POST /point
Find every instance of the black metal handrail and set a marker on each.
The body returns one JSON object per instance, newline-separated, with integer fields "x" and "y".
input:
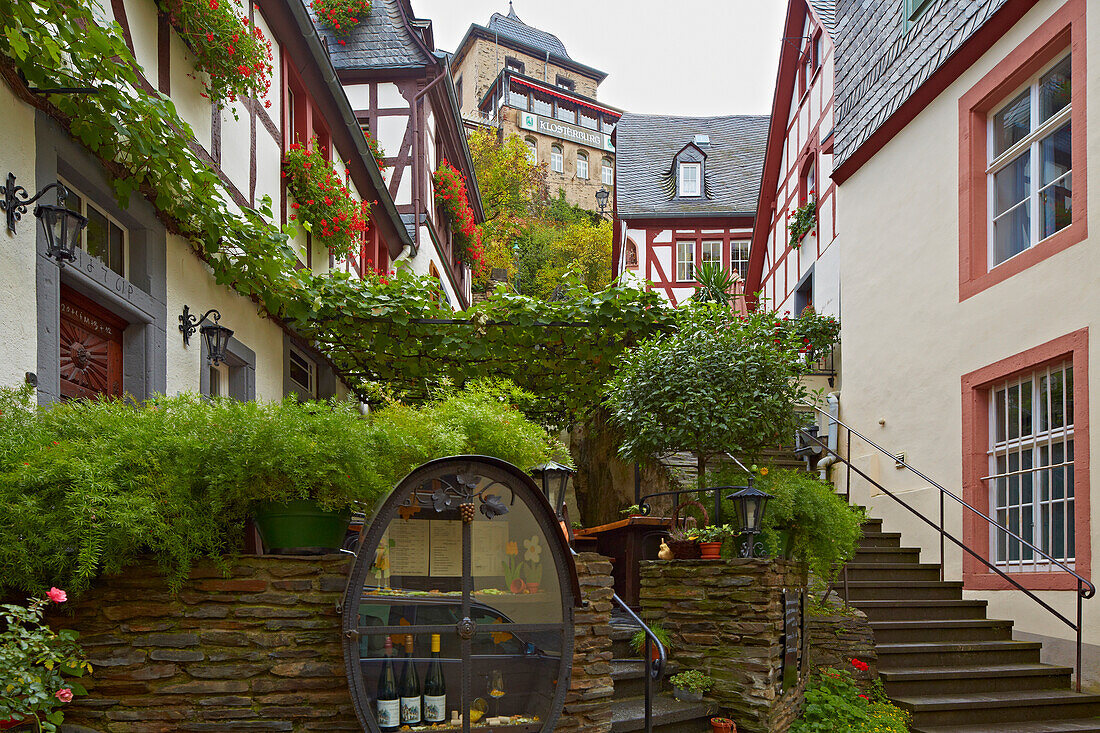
{"x": 1085, "y": 589}
{"x": 654, "y": 668}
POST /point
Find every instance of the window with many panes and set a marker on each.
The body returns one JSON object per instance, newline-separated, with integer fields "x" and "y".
{"x": 303, "y": 373}
{"x": 557, "y": 159}
{"x": 1030, "y": 186}
{"x": 691, "y": 175}
{"x": 582, "y": 164}
{"x": 532, "y": 149}
{"x": 712, "y": 252}
{"x": 685, "y": 261}
{"x": 739, "y": 258}
{"x": 1031, "y": 468}
{"x": 103, "y": 238}
{"x": 607, "y": 172}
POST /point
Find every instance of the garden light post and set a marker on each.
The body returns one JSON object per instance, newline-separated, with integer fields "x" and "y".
{"x": 553, "y": 477}
{"x": 750, "y": 504}
{"x": 216, "y": 336}
{"x": 601, "y": 200}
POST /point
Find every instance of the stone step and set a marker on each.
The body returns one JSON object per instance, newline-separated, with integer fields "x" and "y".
{"x": 892, "y": 571}
{"x": 998, "y": 707}
{"x": 871, "y": 525}
{"x": 1079, "y": 725}
{"x": 876, "y": 590}
{"x": 669, "y": 715}
{"x": 880, "y": 539}
{"x": 924, "y": 655}
{"x": 629, "y": 678}
{"x": 927, "y": 611}
{"x": 920, "y": 681}
{"x": 887, "y": 554}
{"x": 961, "y": 629}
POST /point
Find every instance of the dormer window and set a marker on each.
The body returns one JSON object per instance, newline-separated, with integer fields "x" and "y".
{"x": 691, "y": 179}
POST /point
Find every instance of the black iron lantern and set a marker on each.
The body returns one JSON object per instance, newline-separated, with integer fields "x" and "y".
{"x": 750, "y": 503}
{"x": 62, "y": 227}
{"x": 216, "y": 336}
{"x": 601, "y": 199}
{"x": 553, "y": 477}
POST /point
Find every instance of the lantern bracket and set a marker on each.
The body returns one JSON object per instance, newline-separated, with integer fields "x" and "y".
{"x": 189, "y": 323}
{"x": 14, "y": 199}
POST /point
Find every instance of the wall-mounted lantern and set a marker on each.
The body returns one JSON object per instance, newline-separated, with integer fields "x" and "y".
{"x": 62, "y": 226}
{"x": 216, "y": 336}
{"x": 601, "y": 200}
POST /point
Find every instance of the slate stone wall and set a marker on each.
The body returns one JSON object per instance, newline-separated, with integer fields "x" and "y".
{"x": 261, "y": 651}
{"x": 725, "y": 618}
{"x": 838, "y": 638}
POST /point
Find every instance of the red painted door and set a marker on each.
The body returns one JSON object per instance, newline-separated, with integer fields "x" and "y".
{"x": 91, "y": 348}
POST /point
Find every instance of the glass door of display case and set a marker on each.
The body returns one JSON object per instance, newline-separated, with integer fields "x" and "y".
{"x": 459, "y": 607}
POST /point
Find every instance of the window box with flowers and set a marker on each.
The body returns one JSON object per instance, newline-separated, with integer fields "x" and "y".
{"x": 451, "y": 197}
{"x": 340, "y": 15}
{"x": 233, "y": 53}
{"x": 376, "y": 150}
{"x": 802, "y": 223}
{"x": 323, "y": 202}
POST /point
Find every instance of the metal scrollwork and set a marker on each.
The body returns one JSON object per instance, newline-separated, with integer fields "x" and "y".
{"x": 442, "y": 495}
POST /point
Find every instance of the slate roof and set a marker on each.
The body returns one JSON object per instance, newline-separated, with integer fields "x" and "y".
{"x": 825, "y": 10}
{"x": 647, "y": 144}
{"x": 879, "y": 65}
{"x": 512, "y": 27}
{"x": 381, "y": 40}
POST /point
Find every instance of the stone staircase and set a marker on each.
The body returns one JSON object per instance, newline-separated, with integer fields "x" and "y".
{"x": 628, "y": 709}
{"x": 945, "y": 662}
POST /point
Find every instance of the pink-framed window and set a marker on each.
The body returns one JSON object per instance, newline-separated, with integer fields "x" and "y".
{"x": 1022, "y": 181}
{"x": 1026, "y": 465}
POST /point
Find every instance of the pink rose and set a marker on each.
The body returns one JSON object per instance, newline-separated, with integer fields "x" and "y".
{"x": 58, "y": 596}
{"x": 64, "y": 694}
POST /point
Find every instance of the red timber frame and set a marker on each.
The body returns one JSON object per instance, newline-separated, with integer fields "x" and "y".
{"x": 780, "y": 188}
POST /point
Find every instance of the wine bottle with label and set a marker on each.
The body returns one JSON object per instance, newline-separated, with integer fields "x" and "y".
{"x": 389, "y": 702}
{"x": 410, "y": 687}
{"x": 435, "y": 689}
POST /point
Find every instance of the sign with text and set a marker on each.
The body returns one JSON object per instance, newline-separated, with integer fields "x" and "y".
{"x": 792, "y": 637}
{"x": 565, "y": 131}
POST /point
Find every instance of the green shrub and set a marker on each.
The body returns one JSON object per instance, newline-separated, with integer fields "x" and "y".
{"x": 835, "y": 705}
{"x": 88, "y": 487}
{"x": 692, "y": 680}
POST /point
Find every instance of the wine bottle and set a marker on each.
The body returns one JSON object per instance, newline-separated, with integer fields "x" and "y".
{"x": 389, "y": 703}
{"x": 435, "y": 689}
{"x": 410, "y": 687}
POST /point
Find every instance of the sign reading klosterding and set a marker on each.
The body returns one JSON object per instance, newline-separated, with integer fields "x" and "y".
{"x": 565, "y": 131}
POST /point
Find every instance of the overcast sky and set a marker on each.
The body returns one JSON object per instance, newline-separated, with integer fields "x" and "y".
{"x": 683, "y": 57}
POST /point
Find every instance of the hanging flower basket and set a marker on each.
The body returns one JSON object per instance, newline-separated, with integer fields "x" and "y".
{"x": 232, "y": 52}
{"x": 451, "y": 196}
{"x": 803, "y": 222}
{"x": 322, "y": 201}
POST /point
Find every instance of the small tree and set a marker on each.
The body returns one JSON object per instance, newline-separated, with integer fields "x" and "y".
{"x": 722, "y": 382}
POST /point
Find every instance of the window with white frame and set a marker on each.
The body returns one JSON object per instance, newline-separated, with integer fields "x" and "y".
{"x": 607, "y": 172}
{"x": 219, "y": 379}
{"x": 557, "y": 159}
{"x": 532, "y": 149}
{"x": 685, "y": 261}
{"x": 104, "y": 237}
{"x": 582, "y": 164}
{"x": 303, "y": 373}
{"x": 1031, "y": 468}
{"x": 739, "y": 258}
{"x": 712, "y": 252}
{"x": 691, "y": 175}
{"x": 1030, "y": 187}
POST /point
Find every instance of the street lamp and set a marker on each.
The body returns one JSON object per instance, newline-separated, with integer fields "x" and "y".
{"x": 750, "y": 504}
{"x": 554, "y": 478}
{"x": 216, "y": 336}
{"x": 601, "y": 200}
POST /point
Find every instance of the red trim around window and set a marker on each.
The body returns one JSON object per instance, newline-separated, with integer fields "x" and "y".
{"x": 1064, "y": 30}
{"x": 976, "y": 388}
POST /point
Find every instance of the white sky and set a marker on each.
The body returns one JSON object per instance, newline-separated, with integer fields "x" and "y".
{"x": 680, "y": 57}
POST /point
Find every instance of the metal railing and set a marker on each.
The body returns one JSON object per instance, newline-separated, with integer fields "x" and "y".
{"x": 1085, "y": 589}
{"x": 654, "y": 668}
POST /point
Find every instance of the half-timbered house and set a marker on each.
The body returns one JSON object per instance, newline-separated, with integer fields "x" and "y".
{"x": 401, "y": 89}
{"x": 685, "y": 195}
{"x": 108, "y": 323}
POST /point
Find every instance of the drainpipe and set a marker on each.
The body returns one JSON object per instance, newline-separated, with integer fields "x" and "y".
{"x": 833, "y": 407}
{"x": 417, "y": 157}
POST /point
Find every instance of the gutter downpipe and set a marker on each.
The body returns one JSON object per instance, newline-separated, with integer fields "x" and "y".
{"x": 416, "y": 155}
{"x": 833, "y": 400}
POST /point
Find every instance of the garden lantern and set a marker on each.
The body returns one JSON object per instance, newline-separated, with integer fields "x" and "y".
{"x": 216, "y": 336}
{"x": 553, "y": 477}
{"x": 62, "y": 228}
{"x": 750, "y": 504}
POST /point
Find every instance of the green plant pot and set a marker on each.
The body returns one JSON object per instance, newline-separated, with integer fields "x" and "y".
{"x": 300, "y": 527}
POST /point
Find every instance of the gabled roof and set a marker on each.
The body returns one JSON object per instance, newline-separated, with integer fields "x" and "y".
{"x": 512, "y": 27}
{"x": 381, "y": 40}
{"x": 646, "y": 146}
{"x": 880, "y": 64}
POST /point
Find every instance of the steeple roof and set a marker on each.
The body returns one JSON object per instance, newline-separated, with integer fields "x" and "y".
{"x": 511, "y": 26}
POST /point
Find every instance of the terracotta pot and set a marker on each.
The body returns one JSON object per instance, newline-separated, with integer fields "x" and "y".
{"x": 722, "y": 725}
{"x": 710, "y": 550}
{"x": 684, "y": 549}
{"x": 518, "y": 586}
{"x": 532, "y": 587}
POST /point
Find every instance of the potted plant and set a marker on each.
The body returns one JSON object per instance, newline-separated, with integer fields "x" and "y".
{"x": 632, "y": 511}
{"x": 684, "y": 543}
{"x": 637, "y": 641}
{"x": 35, "y": 661}
{"x": 711, "y": 539}
{"x": 722, "y": 725}
{"x": 690, "y": 686}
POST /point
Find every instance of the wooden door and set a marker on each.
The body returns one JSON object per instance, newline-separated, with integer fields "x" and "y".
{"x": 91, "y": 348}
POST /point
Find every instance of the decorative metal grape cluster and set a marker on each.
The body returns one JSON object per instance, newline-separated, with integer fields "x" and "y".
{"x": 467, "y": 511}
